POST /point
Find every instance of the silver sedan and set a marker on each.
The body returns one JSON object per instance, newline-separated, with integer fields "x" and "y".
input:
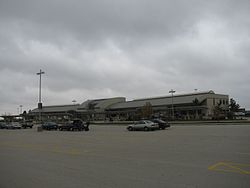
{"x": 13, "y": 125}
{"x": 145, "y": 125}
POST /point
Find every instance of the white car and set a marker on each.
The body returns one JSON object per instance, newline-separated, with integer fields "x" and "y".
{"x": 145, "y": 125}
{"x": 13, "y": 125}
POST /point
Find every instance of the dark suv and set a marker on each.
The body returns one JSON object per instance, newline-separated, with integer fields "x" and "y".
{"x": 76, "y": 124}
{"x": 162, "y": 124}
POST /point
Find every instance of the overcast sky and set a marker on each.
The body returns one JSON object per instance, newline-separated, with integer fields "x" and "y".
{"x": 133, "y": 48}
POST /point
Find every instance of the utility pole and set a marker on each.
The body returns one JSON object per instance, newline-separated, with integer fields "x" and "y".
{"x": 172, "y": 92}
{"x": 40, "y": 94}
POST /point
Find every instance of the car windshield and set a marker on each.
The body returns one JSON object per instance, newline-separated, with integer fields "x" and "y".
{"x": 51, "y": 123}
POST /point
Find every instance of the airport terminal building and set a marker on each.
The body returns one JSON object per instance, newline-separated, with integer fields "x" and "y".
{"x": 190, "y": 106}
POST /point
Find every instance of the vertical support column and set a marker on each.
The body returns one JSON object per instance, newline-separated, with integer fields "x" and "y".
{"x": 40, "y": 94}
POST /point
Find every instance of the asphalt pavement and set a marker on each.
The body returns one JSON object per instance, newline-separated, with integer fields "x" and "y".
{"x": 110, "y": 156}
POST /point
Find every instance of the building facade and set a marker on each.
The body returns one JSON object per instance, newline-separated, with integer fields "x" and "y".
{"x": 190, "y": 106}
{"x": 88, "y": 110}
{"x": 198, "y": 105}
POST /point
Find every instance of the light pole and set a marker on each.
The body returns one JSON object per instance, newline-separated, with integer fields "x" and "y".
{"x": 74, "y": 103}
{"x": 40, "y": 94}
{"x": 21, "y": 109}
{"x": 172, "y": 92}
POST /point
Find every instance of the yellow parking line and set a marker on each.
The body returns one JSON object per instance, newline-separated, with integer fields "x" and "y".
{"x": 241, "y": 171}
{"x": 230, "y": 167}
{"x": 238, "y": 164}
{"x": 212, "y": 167}
{"x": 223, "y": 170}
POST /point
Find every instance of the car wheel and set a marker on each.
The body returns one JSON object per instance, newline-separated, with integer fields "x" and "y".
{"x": 130, "y": 128}
{"x": 146, "y": 129}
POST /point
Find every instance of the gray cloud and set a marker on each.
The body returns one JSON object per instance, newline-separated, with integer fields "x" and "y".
{"x": 95, "y": 49}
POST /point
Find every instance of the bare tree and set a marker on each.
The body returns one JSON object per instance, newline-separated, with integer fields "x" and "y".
{"x": 146, "y": 110}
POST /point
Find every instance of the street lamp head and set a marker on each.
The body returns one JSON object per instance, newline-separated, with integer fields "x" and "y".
{"x": 39, "y": 73}
{"x": 172, "y": 91}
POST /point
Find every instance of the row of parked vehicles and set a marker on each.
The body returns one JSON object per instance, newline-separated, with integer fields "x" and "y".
{"x": 75, "y": 125}
{"x": 16, "y": 125}
{"x": 148, "y": 125}
{"x": 79, "y": 125}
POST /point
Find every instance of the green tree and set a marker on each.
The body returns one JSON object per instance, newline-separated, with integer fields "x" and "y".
{"x": 233, "y": 107}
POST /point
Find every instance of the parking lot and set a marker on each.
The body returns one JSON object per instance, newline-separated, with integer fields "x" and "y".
{"x": 110, "y": 156}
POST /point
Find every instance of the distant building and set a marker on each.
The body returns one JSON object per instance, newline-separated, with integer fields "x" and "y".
{"x": 198, "y": 105}
{"x": 88, "y": 110}
{"x": 191, "y": 106}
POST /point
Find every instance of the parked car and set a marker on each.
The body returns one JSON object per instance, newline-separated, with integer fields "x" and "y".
{"x": 145, "y": 125}
{"x": 162, "y": 124}
{"x": 27, "y": 124}
{"x": 3, "y": 125}
{"x": 50, "y": 126}
{"x": 65, "y": 127}
{"x": 13, "y": 125}
{"x": 76, "y": 124}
